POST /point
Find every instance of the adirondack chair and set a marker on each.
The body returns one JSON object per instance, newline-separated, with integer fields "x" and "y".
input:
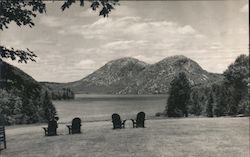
{"x": 75, "y": 127}
{"x": 139, "y": 122}
{"x": 117, "y": 122}
{"x": 51, "y": 130}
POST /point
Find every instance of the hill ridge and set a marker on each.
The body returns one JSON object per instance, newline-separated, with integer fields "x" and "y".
{"x": 129, "y": 75}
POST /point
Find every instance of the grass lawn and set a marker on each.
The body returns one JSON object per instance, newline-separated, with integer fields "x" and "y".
{"x": 187, "y": 137}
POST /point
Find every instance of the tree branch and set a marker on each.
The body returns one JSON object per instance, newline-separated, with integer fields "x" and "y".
{"x": 20, "y": 55}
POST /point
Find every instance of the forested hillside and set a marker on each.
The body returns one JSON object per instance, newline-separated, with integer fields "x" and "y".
{"x": 22, "y": 99}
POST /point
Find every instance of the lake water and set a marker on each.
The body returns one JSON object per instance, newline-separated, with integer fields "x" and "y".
{"x": 101, "y": 107}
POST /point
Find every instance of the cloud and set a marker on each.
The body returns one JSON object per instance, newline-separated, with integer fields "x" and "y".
{"x": 245, "y": 8}
{"x": 133, "y": 36}
{"x": 87, "y": 13}
{"x": 125, "y": 44}
{"x": 51, "y": 21}
{"x": 86, "y": 64}
{"x": 12, "y": 42}
{"x": 186, "y": 30}
{"x": 128, "y": 31}
{"x": 215, "y": 46}
{"x": 43, "y": 41}
{"x": 122, "y": 11}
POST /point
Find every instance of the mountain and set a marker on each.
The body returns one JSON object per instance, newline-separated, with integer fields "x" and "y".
{"x": 22, "y": 99}
{"x": 156, "y": 78}
{"x": 131, "y": 76}
{"x": 111, "y": 78}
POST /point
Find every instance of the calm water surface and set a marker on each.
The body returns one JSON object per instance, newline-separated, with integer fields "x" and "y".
{"x": 101, "y": 107}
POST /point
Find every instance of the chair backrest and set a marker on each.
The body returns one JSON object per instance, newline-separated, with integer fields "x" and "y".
{"x": 52, "y": 126}
{"x": 116, "y": 120}
{"x": 140, "y": 119}
{"x": 76, "y": 125}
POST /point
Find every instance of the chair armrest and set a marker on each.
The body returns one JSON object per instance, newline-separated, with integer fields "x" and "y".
{"x": 45, "y": 130}
{"x": 123, "y": 123}
{"x": 70, "y": 128}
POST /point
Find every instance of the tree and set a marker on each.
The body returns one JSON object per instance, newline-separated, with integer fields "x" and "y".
{"x": 237, "y": 73}
{"x": 22, "y": 11}
{"x": 235, "y": 84}
{"x": 195, "y": 103}
{"x": 10, "y": 104}
{"x": 209, "y": 109}
{"x": 179, "y": 96}
{"x": 48, "y": 107}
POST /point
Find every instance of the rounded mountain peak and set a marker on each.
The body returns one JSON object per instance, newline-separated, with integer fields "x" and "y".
{"x": 180, "y": 62}
{"x": 126, "y": 61}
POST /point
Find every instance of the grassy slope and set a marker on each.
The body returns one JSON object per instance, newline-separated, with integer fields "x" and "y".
{"x": 191, "y": 137}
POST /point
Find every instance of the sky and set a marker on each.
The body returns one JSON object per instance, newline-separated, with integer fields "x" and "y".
{"x": 72, "y": 44}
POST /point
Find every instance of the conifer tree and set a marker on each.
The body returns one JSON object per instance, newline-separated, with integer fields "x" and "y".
{"x": 209, "y": 109}
{"x": 178, "y": 96}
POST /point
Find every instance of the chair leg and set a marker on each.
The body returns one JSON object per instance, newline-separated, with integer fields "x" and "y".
{"x": 134, "y": 123}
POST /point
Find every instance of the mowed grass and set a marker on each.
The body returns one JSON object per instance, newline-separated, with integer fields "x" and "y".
{"x": 187, "y": 137}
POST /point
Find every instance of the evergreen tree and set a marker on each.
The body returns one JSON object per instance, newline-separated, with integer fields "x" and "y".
{"x": 235, "y": 84}
{"x": 48, "y": 107}
{"x": 209, "y": 109}
{"x": 194, "y": 103}
{"x": 178, "y": 97}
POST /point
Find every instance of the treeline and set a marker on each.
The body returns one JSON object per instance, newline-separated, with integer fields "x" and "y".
{"x": 228, "y": 97}
{"x": 62, "y": 94}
